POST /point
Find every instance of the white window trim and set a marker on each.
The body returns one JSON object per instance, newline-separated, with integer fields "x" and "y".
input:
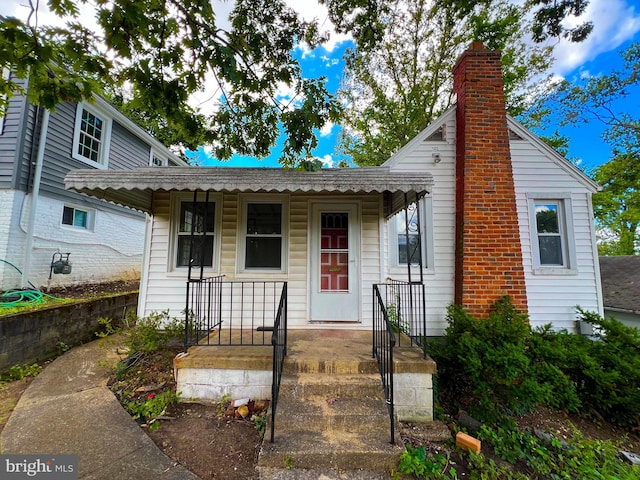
{"x": 91, "y": 218}
{"x": 426, "y": 237}
{"x": 243, "y": 203}
{"x": 105, "y": 143}
{"x": 154, "y": 153}
{"x": 6, "y": 75}
{"x": 565, "y": 217}
{"x": 176, "y": 200}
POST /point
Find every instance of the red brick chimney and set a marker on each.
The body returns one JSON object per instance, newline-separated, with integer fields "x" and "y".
{"x": 488, "y": 250}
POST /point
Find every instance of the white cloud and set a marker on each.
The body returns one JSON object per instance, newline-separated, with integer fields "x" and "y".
{"x": 326, "y": 130}
{"x": 327, "y": 161}
{"x": 614, "y": 22}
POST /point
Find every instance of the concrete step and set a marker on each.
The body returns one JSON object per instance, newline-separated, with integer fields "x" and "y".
{"x": 334, "y": 450}
{"x": 321, "y": 414}
{"x": 355, "y": 364}
{"x": 272, "y": 473}
{"x": 305, "y": 385}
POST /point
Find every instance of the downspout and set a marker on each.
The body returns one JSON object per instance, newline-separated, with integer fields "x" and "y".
{"x": 35, "y": 192}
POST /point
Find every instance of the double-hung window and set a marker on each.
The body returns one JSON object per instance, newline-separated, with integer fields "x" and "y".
{"x": 418, "y": 236}
{"x": 91, "y": 136}
{"x": 551, "y": 224}
{"x": 156, "y": 160}
{"x": 195, "y": 233}
{"x": 263, "y": 235}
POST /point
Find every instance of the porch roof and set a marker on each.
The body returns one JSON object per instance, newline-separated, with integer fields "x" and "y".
{"x": 134, "y": 188}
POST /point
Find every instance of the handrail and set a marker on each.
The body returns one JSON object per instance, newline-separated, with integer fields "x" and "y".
{"x": 384, "y": 341}
{"x": 230, "y": 313}
{"x": 279, "y": 342}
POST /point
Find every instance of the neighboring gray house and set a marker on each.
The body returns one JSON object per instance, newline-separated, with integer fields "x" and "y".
{"x": 620, "y": 278}
{"x": 39, "y": 218}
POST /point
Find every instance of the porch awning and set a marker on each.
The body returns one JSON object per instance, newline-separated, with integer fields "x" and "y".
{"x": 134, "y": 188}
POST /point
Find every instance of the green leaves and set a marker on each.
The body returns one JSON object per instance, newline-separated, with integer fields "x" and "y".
{"x": 617, "y": 206}
{"x": 399, "y": 85}
{"x": 166, "y": 51}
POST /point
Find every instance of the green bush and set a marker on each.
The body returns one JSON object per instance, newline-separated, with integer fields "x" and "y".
{"x": 152, "y": 332}
{"x": 499, "y": 366}
{"x": 488, "y": 360}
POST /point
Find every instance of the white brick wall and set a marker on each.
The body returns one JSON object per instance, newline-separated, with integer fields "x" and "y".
{"x": 11, "y": 238}
{"x": 111, "y": 251}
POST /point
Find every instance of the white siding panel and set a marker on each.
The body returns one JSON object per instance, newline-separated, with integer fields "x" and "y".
{"x": 553, "y": 298}
{"x": 439, "y": 280}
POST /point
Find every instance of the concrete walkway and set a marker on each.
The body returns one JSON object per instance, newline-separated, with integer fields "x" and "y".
{"x": 68, "y": 409}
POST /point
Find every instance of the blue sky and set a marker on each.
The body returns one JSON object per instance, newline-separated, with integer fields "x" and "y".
{"x": 616, "y": 25}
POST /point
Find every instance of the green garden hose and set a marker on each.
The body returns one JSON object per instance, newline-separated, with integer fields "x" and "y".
{"x": 19, "y": 297}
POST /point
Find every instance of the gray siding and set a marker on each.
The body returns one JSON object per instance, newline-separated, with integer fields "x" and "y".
{"x": 14, "y": 152}
{"x": 126, "y": 152}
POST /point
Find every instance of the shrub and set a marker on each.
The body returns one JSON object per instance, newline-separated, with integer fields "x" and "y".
{"x": 488, "y": 359}
{"x": 152, "y": 332}
{"x": 500, "y": 366}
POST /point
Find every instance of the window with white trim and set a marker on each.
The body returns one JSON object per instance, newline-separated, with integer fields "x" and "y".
{"x": 156, "y": 160}
{"x": 263, "y": 234}
{"x": 197, "y": 222}
{"x": 398, "y": 236}
{"x": 552, "y": 243}
{"x": 76, "y": 217}
{"x": 91, "y": 136}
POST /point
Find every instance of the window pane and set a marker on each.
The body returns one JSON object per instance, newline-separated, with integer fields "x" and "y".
{"x": 414, "y": 250}
{"x": 67, "y": 216}
{"x": 187, "y": 218}
{"x": 550, "y": 250}
{"x": 263, "y": 252}
{"x": 80, "y": 219}
{"x": 547, "y": 218}
{"x": 264, "y": 218}
{"x": 184, "y": 242}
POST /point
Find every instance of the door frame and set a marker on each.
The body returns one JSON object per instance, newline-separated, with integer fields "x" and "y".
{"x": 353, "y": 207}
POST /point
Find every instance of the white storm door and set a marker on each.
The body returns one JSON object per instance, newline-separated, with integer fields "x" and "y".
{"x": 335, "y": 251}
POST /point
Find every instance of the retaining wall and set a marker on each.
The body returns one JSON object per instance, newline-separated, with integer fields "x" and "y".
{"x": 33, "y": 336}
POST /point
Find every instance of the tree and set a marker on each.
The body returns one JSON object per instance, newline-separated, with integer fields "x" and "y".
{"x": 607, "y": 99}
{"x": 394, "y": 90}
{"x": 163, "y": 51}
{"x": 617, "y": 206}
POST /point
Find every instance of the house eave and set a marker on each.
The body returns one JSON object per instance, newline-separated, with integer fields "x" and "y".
{"x": 135, "y": 188}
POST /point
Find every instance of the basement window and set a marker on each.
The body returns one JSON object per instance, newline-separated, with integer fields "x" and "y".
{"x": 76, "y": 217}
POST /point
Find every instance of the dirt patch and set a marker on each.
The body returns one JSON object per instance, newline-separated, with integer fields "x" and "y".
{"x": 10, "y": 393}
{"x": 208, "y": 442}
{"x": 91, "y": 290}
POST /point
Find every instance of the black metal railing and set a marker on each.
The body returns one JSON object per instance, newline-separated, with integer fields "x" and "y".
{"x": 405, "y": 304}
{"x": 384, "y": 341}
{"x": 279, "y": 342}
{"x": 231, "y": 313}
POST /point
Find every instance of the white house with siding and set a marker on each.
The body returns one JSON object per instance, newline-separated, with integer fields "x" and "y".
{"x": 41, "y": 221}
{"x": 492, "y": 210}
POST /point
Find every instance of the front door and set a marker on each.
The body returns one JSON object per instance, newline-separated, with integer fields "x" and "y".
{"x": 335, "y": 252}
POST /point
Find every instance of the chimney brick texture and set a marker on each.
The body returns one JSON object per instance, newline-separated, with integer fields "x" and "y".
{"x": 488, "y": 250}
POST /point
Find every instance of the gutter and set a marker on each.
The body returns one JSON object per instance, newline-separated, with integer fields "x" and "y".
{"x": 35, "y": 192}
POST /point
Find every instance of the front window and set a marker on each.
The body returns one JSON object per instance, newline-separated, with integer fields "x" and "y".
{"x": 418, "y": 236}
{"x": 91, "y": 136}
{"x": 263, "y": 238}
{"x": 195, "y": 234}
